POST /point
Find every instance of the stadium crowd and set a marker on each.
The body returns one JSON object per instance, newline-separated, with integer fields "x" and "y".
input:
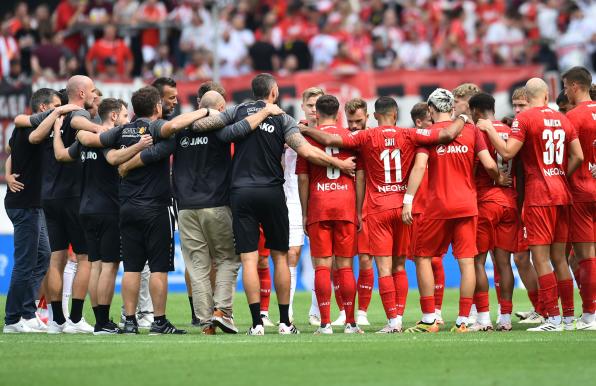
{"x": 111, "y": 39}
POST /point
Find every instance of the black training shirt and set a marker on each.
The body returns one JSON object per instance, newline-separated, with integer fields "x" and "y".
{"x": 26, "y": 161}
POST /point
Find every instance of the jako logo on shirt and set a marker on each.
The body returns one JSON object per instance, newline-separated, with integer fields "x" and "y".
{"x": 452, "y": 149}
{"x": 267, "y": 127}
{"x": 88, "y": 155}
{"x": 186, "y": 142}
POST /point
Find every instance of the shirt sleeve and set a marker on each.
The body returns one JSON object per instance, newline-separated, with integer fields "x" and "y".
{"x": 228, "y": 115}
{"x": 423, "y": 150}
{"x": 234, "y": 131}
{"x": 518, "y": 129}
{"x": 289, "y": 126}
{"x": 110, "y": 138}
{"x": 302, "y": 166}
{"x": 425, "y": 137}
{"x": 74, "y": 150}
{"x": 479, "y": 142}
{"x": 158, "y": 151}
{"x": 81, "y": 113}
{"x": 36, "y": 119}
{"x": 354, "y": 139}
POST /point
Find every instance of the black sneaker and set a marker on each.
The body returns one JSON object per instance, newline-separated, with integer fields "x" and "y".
{"x": 110, "y": 328}
{"x": 165, "y": 328}
{"x": 130, "y": 327}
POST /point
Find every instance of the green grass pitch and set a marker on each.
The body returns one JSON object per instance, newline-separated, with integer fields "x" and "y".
{"x": 518, "y": 357}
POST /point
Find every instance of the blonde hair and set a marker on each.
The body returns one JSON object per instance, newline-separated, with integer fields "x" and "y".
{"x": 520, "y": 93}
{"x": 466, "y": 90}
{"x": 312, "y": 92}
{"x": 354, "y": 105}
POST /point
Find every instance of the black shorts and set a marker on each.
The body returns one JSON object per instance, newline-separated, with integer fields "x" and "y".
{"x": 102, "y": 232}
{"x": 64, "y": 225}
{"x": 264, "y": 206}
{"x": 147, "y": 235}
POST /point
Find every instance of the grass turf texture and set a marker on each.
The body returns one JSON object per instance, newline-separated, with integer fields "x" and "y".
{"x": 371, "y": 359}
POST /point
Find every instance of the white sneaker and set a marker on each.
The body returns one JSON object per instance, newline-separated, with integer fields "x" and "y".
{"x": 258, "y": 330}
{"x": 473, "y": 318}
{"x": 504, "y": 326}
{"x": 547, "y": 327}
{"x": 284, "y": 329}
{"x": 349, "y": 329}
{"x": 314, "y": 320}
{"x": 362, "y": 318}
{"x": 389, "y": 330}
{"x": 327, "y": 330}
{"x": 55, "y": 328}
{"x": 266, "y": 321}
{"x": 36, "y": 325}
{"x": 569, "y": 325}
{"x": 476, "y": 327}
{"x": 19, "y": 327}
{"x": 82, "y": 327}
{"x": 341, "y": 319}
{"x": 533, "y": 318}
{"x": 144, "y": 320}
{"x": 523, "y": 314}
{"x": 581, "y": 325}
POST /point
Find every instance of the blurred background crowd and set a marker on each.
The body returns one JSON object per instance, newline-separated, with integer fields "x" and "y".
{"x": 118, "y": 39}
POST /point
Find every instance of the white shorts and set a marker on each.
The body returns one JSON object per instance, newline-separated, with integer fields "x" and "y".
{"x": 296, "y": 230}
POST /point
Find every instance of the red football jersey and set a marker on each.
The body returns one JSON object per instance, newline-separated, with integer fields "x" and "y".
{"x": 546, "y": 134}
{"x": 451, "y": 187}
{"x": 486, "y": 187}
{"x": 583, "y": 118}
{"x": 388, "y": 154}
{"x": 420, "y": 199}
{"x": 332, "y": 194}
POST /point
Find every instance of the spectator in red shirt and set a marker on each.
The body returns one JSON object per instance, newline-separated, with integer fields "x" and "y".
{"x": 109, "y": 46}
{"x": 68, "y": 13}
{"x": 151, "y": 12}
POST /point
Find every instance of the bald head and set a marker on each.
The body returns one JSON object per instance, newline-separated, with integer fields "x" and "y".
{"x": 537, "y": 92}
{"x": 213, "y": 100}
{"x": 81, "y": 91}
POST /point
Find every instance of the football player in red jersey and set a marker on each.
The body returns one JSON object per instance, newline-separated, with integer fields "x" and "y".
{"x": 388, "y": 153}
{"x": 498, "y": 224}
{"x": 421, "y": 118}
{"x": 329, "y": 212}
{"x": 357, "y": 115}
{"x": 450, "y": 216}
{"x": 550, "y": 152}
{"x": 577, "y": 82}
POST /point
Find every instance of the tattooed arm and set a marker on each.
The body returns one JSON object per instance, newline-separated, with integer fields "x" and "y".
{"x": 296, "y": 141}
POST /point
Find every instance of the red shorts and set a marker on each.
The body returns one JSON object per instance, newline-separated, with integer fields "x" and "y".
{"x": 417, "y": 218}
{"x": 262, "y": 250}
{"x": 434, "y": 236}
{"x": 522, "y": 238}
{"x": 388, "y": 235}
{"x": 583, "y": 222}
{"x": 332, "y": 238}
{"x": 363, "y": 243}
{"x": 547, "y": 224}
{"x": 498, "y": 227}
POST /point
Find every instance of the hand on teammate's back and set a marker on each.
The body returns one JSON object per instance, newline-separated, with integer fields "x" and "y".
{"x": 145, "y": 141}
{"x": 504, "y": 179}
{"x": 68, "y": 108}
{"x": 484, "y": 124}
{"x": 13, "y": 184}
{"x": 348, "y": 166}
{"x": 274, "y": 109}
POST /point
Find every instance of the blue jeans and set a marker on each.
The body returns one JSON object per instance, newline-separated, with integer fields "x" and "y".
{"x": 31, "y": 260}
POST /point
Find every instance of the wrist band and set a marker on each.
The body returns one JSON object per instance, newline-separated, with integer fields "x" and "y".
{"x": 408, "y": 199}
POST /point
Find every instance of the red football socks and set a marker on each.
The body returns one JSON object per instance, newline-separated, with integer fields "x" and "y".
{"x": 400, "y": 281}
{"x": 336, "y": 290}
{"x": 347, "y": 287}
{"x": 548, "y": 294}
{"x": 265, "y": 282}
{"x": 387, "y": 292}
{"x": 481, "y": 302}
{"x": 566, "y": 294}
{"x": 323, "y": 292}
{"x": 366, "y": 279}
{"x": 587, "y": 290}
{"x": 427, "y": 304}
{"x": 465, "y": 304}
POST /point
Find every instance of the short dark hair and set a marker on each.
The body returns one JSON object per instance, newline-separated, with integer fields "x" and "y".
{"x": 482, "y": 101}
{"x": 562, "y": 99}
{"x": 579, "y": 75}
{"x": 593, "y": 92}
{"x": 210, "y": 86}
{"x": 144, "y": 101}
{"x": 327, "y": 106}
{"x": 63, "y": 95}
{"x": 385, "y": 105}
{"x": 43, "y": 96}
{"x": 109, "y": 105}
{"x": 419, "y": 111}
{"x": 262, "y": 85}
{"x": 160, "y": 83}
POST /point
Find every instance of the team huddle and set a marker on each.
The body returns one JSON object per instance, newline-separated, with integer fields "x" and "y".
{"x": 245, "y": 183}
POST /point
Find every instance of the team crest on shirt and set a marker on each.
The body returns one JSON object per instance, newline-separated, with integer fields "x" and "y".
{"x": 142, "y": 130}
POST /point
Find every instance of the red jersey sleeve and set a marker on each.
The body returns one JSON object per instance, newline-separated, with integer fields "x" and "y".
{"x": 302, "y": 166}
{"x": 518, "y": 129}
{"x": 423, "y": 150}
{"x": 479, "y": 142}
{"x": 354, "y": 139}
{"x": 425, "y": 137}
